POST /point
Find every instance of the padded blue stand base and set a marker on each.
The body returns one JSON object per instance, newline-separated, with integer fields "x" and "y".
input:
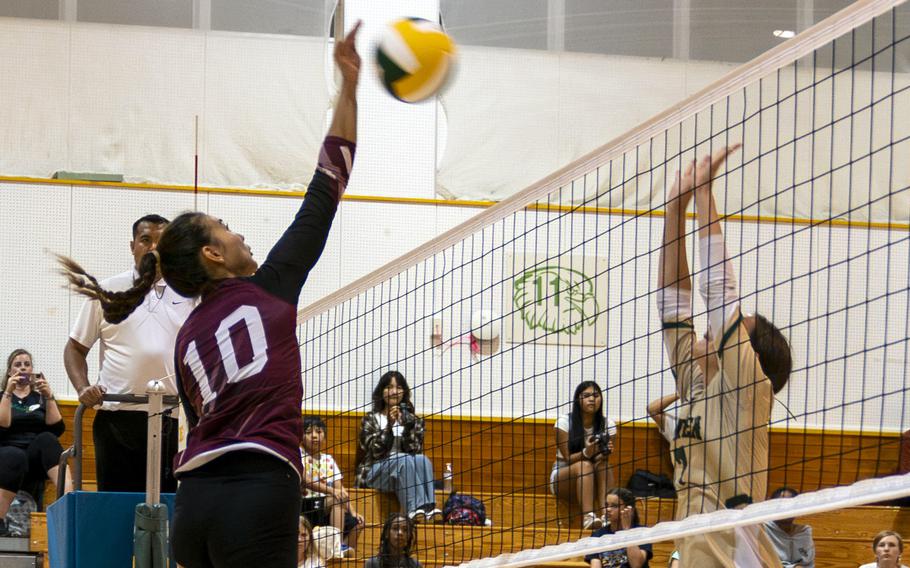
{"x": 87, "y": 529}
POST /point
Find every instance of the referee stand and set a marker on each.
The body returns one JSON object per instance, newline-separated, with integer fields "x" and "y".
{"x": 96, "y": 529}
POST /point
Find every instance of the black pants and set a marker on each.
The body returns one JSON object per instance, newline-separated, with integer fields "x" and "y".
{"x": 21, "y": 465}
{"x": 121, "y": 443}
{"x": 239, "y": 511}
{"x": 314, "y": 510}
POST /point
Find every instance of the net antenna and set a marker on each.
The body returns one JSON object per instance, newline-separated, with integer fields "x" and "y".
{"x": 196, "y": 163}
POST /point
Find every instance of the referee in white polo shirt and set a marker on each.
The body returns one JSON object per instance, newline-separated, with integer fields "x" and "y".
{"x": 133, "y": 352}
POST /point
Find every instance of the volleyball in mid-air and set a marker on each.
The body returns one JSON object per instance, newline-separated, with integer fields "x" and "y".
{"x": 414, "y": 58}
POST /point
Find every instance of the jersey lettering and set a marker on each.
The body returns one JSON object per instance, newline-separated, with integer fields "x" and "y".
{"x": 194, "y": 362}
{"x": 679, "y": 458}
{"x": 251, "y": 319}
{"x": 688, "y": 428}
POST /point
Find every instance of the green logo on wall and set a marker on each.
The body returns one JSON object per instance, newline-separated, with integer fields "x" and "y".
{"x": 555, "y": 299}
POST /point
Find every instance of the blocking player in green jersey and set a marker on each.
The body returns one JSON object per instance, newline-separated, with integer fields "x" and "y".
{"x": 726, "y": 379}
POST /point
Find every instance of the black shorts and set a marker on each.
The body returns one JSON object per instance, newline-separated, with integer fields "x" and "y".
{"x": 237, "y": 511}
{"x": 314, "y": 510}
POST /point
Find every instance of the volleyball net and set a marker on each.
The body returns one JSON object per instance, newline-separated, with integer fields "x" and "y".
{"x": 495, "y": 322}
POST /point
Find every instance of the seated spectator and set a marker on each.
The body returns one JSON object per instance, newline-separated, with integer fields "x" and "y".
{"x": 30, "y": 423}
{"x": 621, "y": 515}
{"x": 391, "y": 439}
{"x": 399, "y": 533}
{"x": 581, "y": 473}
{"x": 887, "y": 546}
{"x": 793, "y": 542}
{"x": 325, "y": 501}
{"x": 307, "y": 556}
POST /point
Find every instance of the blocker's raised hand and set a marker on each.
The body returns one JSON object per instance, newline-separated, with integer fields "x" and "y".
{"x": 707, "y": 167}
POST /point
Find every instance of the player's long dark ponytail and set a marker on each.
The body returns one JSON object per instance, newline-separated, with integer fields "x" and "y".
{"x": 117, "y": 306}
{"x": 178, "y": 254}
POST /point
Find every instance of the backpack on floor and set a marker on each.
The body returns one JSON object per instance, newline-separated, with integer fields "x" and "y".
{"x": 461, "y": 509}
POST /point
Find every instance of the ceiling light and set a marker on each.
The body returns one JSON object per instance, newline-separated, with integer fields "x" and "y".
{"x": 785, "y": 34}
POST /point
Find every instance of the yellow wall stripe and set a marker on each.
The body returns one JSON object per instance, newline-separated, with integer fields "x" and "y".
{"x": 885, "y": 225}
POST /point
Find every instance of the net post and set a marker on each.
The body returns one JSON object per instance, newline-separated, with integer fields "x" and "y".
{"x": 155, "y": 390}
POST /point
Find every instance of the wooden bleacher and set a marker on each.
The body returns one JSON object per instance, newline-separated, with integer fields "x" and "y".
{"x": 506, "y": 464}
{"x": 506, "y": 455}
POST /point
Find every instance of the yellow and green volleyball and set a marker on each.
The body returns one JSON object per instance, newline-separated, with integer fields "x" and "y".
{"x": 414, "y": 57}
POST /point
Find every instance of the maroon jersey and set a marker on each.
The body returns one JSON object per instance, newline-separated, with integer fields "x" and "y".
{"x": 240, "y": 371}
{"x": 237, "y": 356}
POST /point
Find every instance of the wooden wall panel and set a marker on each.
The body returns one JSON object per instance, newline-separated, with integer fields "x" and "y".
{"x": 505, "y": 455}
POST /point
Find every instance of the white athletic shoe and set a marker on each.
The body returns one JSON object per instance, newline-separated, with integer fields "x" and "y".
{"x": 434, "y": 516}
{"x": 418, "y": 516}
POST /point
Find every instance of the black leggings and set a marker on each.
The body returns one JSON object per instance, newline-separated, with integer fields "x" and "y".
{"x": 17, "y": 464}
{"x": 238, "y": 511}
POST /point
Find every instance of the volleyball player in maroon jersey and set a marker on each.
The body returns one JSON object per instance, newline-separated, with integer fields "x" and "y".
{"x": 238, "y": 361}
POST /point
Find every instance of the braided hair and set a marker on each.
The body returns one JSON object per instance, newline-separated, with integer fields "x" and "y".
{"x": 177, "y": 258}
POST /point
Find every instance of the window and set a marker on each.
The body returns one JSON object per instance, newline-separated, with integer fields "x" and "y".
{"x": 293, "y": 17}
{"x": 620, "y": 27}
{"x": 166, "y": 13}
{"x": 737, "y": 30}
{"x": 496, "y": 23}
{"x": 40, "y": 9}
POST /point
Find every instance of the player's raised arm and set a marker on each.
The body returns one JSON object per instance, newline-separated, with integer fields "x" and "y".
{"x": 674, "y": 285}
{"x": 289, "y": 262}
{"x": 717, "y": 283}
{"x": 673, "y": 271}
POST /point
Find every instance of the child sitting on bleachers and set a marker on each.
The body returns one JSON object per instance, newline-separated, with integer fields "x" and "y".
{"x": 325, "y": 501}
{"x": 307, "y": 555}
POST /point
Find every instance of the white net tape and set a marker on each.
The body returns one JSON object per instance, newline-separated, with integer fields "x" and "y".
{"x": 860, "y": 493}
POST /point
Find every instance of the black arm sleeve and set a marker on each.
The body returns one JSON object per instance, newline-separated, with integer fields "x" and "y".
{"x": 296, "y": 252}
{"x": 289, "y": 262}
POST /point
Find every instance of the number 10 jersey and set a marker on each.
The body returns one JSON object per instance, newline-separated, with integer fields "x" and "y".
{"x": 237, "y": 356}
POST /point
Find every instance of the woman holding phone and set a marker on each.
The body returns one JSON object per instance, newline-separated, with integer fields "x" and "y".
{"x": 30, "y": 423}
{"x": 391, "y": 439}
